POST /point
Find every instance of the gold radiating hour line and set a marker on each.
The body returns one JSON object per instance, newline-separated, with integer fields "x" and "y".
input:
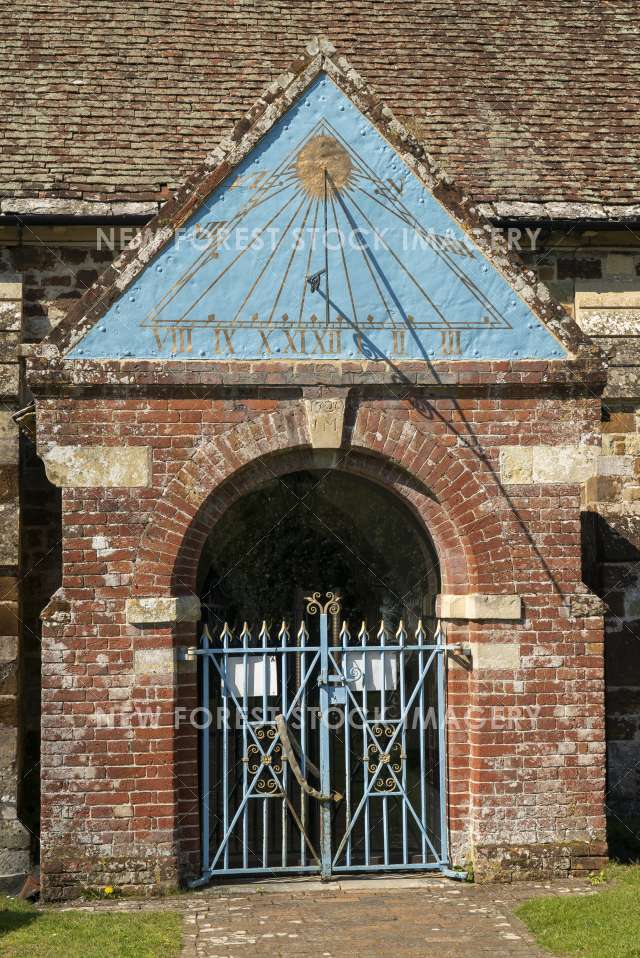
{"x": 344, "y": 261}
{"x": 223, "y": 272}
{"x": 435, "y": 308}
{"x": 372, "y": 274}
{"x": 205, "y": 256}
{"x": 406, "y": 217}
{"x": 363, "y": 169}
{"x": 291, "y": 258}
{"x": 269, "y": 258}
{"x": 308, "y": 265}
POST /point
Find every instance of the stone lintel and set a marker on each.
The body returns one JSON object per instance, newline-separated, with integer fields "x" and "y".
{"x": 495, "y": 655}
{"x": 101, "y": 466}
{"x": 160, "y": 610}
{"x": 325, "y": 419}
{"x": 478, "y": 606}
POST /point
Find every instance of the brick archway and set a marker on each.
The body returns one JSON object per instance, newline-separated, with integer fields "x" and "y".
{"x": 441, "y": 490}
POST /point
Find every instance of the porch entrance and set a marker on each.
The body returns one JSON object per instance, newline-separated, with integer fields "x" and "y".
{"x": 325, "y": 751}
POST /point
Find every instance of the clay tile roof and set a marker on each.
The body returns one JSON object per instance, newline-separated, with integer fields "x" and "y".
{"x": 518, "y": 100}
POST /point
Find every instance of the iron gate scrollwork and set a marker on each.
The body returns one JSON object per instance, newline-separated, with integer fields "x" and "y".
{"x": 322, "y": 753}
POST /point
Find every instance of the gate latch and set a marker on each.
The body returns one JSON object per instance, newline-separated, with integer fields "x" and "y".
{"x": 336, "y": 687}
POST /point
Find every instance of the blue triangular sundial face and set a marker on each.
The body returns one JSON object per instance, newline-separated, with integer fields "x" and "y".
{"x": 321, "y": 245}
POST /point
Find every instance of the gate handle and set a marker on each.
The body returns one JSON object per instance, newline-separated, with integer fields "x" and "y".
{"x": 281, "y": 726}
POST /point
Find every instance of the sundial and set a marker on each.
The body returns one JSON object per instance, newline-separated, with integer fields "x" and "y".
{"x": 321, "y": 245}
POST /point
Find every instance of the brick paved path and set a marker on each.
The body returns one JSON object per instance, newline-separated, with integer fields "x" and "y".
{"x": 427, "y": 917}
{"x": 410, "y": 918}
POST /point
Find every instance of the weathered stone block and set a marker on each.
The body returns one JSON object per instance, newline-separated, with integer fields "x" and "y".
{"x": 619, "y": 264}
{"x": 601, "y": 489}
{"x": 154, "y": 661}
{"x": 9, "y": 621}
{"x": 516, "y": 464}
{"x": 103, "y": 466}
{"x": 10, "y": 315}
{"x": 563, "y": 464}
{"x": 547, "y": 464}
{"x": 620, "y": 422}
{"x": 8, "y": 648}
{"x": 615, "y": 466}
{"x": 153, "y": 610}
{"x": 8, "y": 710}
{"x": 9, "y": 481}
{"x": 9, "y": 533}
{"x": 495, "y": 655}
{"x": 475, "y": 606}
{"x": 8, "y": 437}
{"x": 585, "y": 605}
{"x": 325, "y": 418}
{"x": 11, "y": 287}
{"x": 8, "y": 588}
{"x": 9, "y": 379}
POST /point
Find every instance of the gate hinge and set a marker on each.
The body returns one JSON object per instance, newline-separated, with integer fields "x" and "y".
{"x": 461, "y": 652}
{"x": 187, "y": 654}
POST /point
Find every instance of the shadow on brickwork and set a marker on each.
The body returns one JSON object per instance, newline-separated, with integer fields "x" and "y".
{"x": 40, "y": 576}
{"x": 611, "y": 568}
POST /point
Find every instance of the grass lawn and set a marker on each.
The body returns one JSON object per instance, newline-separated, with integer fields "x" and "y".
{"x": 606, "y": 925}
{"x": 26, "y": 932}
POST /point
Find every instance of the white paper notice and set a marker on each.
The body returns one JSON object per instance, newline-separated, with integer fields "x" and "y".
{"x": 372, "y": 670}
{"x": 260, "y": 674}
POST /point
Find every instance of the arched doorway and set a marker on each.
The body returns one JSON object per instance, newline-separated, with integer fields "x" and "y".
{"x": 324, "y": 675}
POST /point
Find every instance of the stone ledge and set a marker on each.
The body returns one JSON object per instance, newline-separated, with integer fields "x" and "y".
{"x": 160, "y": 610}
{"x": 54, "y": 206}
{"x": 478, "y": 606}
{"x": 102, "y": 466}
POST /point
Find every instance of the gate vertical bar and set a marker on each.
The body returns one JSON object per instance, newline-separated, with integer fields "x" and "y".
{"x": 420, "y": 638}
{"x": 225, "y": 747}
{"x": 265, "y": 637}
{"x": 363, "y": 635}
{"x": 442, "y": 743}
{"x": 382, "y": 637}
{"x": 284, "y": 701}
{"x": 345, "y": 637}
{"x": 245, "y": 744}
{"x": 325, "y": 775}
{"x": 302, "y": 642}
{"x": 401, "y": 637}
{"x": 206, "y": 732}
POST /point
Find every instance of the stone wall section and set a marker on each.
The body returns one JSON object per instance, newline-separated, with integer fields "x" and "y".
{"x": 14, "y": 838}
{"x": 595, "y": 274}
{"x": 54, "y": 264}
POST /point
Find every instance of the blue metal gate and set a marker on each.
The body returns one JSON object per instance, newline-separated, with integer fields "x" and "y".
{"x": 321, "y": 751}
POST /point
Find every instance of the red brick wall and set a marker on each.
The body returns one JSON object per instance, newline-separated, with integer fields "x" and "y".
{"x": 120, "y": 805}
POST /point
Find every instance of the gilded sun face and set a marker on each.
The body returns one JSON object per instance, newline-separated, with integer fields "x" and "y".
{"x": 320, "y": 154}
